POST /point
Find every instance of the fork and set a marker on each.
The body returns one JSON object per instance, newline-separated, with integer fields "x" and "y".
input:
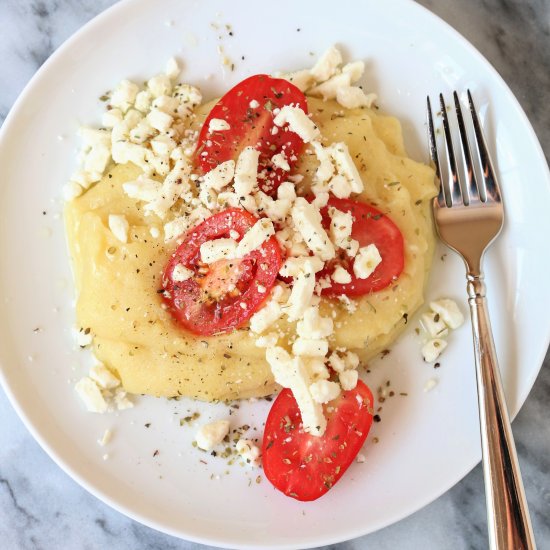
{"x": 468, "y": 217}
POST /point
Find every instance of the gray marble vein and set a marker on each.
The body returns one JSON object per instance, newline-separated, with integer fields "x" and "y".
{"x": 42, "y": 508}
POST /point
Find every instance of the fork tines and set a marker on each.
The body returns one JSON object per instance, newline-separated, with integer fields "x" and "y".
{"x": 452, "y": 191}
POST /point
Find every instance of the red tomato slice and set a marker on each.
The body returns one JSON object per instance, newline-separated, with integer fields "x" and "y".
{"x": 225, "y": 294}
{"x": 252, "y": 127}
{"x": 304, "y": 466}
{"x": 370, "y": 226}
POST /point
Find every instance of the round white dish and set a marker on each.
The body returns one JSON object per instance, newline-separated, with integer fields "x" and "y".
{"x": 427, "y": 441}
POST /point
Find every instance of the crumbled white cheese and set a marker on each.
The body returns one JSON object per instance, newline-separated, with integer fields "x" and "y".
{"x": 341, "y": 224}
{"x": 307, "y": 220}
{"x": 348, "y": 361}
{"x": 121, "y": 400}
{"x": 340, "y": 186}
{"x": 163, "y": 145}
{"x": 180, "y": 273}
{"x": 277, "y": 210}
{"x": 449, "y": 312}
{"x": 178, "y": 226}
{"x": 340, "y": 275}
{"x": 286, "y": 191}
{"x": 329, "y": 88}
{"x": 346, "y": 167}
{"x": 119, "y": 226}
{"x": 143, "y": 101}
{"x": 159, "y": 120}
{"x": 188, "y": 95}
{"x": 279, "y": 161}
{"x": 336, "y": 362}
{"x": 105, "y": 438}
{"x": 327, "y": 64}
{"x": 352, "y": 97}
{"x": 83, "y": 337}
{"x": 324, "y": 391}
{"x": 351, "y": 360}
{"x": 260, "y": 232}
{"x": 103, "y": 377}
{"x": 246, "y": 171}
{"x": 142, "y": 132}
{"x": 249, "y": 451}
{"x": 175, "y": 184}
{"x": 218, "y": 125}
{"x": 132, "y": 118}
{"x": 294, "y": 266}
{"x": 292, "y": 373}
{"x": 366, "y": 261}
{"x": 321, "y": 200}
{"x": 253, "y": 104}
{"x": 432, "y": 349}
{"x": 172, "y": 69}
{"x": 125, "y": 151}
{"x": 430, "y": 384}
{"x": 348, "y": 379}
{"x": 85, "y": 179}
{"x": 355, "y": 70}
{"x": 300, "y": 296}
{"x": 72, "y": 190}
{"x": 111, "y": 118}
{"x": 298, "y": 122}
{"x": 316, "y": 368}
{"x": 361, "y": 458}
{"x": 267, "y": 341}
{"x": 210, "y": 435}
{"x": 90, "y": 394}
{"x": 310, "y": 347}
{"x": 325, "y": 170}
{"x": 218, "y": 249}
{"x": 220, "y": 176}
{"x": 301, "y": 79}
{"x": 265, "y": 317}
{"x": 124, "y": 95}
{"x": 313, "y": 325}
{"x": 433, "y": 324}
{"x": 160, "y": 85}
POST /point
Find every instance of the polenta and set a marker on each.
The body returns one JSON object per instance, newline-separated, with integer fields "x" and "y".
{"x": 119, "y": 283}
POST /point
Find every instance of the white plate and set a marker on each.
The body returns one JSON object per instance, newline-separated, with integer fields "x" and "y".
{"x": 428, "y": 441}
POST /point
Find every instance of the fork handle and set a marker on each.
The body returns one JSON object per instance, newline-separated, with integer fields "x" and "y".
{"x": 507, "y": 512}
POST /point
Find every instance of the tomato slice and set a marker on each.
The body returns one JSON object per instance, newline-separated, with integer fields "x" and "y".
{"x": 370, "y": 226}
{"x": 251, "y": 125}
{"x": 224, "y": 295}
{"x": 304, "y": 466}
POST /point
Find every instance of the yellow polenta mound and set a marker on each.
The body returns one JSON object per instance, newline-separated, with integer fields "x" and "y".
{"x": 117, "y": 283}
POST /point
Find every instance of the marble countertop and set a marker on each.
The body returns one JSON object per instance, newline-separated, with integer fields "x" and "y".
{"x": 41, "y": 507}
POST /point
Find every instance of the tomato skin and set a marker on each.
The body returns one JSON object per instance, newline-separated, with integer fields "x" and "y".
{"x": 201, "y": 304}
{"x": 304, "y": 466}
{"x": 252, "y": 127}
{"x": 370, "y": 226}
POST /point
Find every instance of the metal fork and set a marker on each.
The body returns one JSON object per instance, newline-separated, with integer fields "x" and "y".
{"x": 468, "y": 217}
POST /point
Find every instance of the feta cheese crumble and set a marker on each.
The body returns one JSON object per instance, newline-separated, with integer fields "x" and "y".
{"x": 249, "y": 451}
{"x": 444, "y": 315}
{"x": 218, "y": 249}
{"x": 448, "y": 311}
{"x": 118, "y": 224}
{"x": 218, "y": 125}
{"x": 366, "y": 261}
{"x": 211, "y": 435}
{"x": 298, "y": 122}
{"x": 432, "y": 349}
